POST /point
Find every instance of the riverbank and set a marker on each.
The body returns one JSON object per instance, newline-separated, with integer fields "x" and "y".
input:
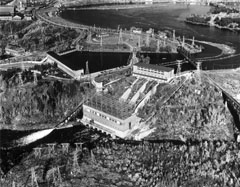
{"x": 118, "y": 6}
{"x": 213, "y": 24}
{"x": 219, "y": 16}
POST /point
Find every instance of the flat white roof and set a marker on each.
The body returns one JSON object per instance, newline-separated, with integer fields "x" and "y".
{"x": 153, "y": 66}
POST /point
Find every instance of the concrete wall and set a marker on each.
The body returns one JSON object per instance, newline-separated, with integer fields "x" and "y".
{"x": 74, "y": 74}
{"x": 126, "y": 94}
{"x": 146, "y": 98}
{"x": 136, "y": 96}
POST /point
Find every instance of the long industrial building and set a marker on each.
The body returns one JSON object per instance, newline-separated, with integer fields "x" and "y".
{"x": 153, "y": 72}
{"x": 110, "y": 115}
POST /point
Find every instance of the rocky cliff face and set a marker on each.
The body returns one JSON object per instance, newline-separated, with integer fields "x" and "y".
{"x": 38, "y": 105}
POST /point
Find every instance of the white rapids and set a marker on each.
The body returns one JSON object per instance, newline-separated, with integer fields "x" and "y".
{"x": 34, "y": 137}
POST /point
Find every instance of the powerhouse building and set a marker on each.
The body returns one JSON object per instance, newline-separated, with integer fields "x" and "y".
{"x": 110, "y": 115}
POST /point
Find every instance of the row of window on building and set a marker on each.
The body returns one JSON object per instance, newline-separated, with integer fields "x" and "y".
{"x": 103, "y": 116}
{"x": 150, "y": 70}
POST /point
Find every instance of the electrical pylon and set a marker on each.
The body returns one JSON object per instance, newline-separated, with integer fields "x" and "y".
{"x": 87, "y": 73}
{"x": 75, "y": 167}
{"x": 193, "y": 41}
{"x": 35, "y": 77}
{"x": 20, "y": 78}
{"x": 199, "y": 66}
{"x": 37, "y": 152}
{"x": 51, "y": 149}
{"x": 174, "y": 35}
{"x": 34, "y": 182}
{"x": 179, "y": 67}
{"x": 65, "y": 147}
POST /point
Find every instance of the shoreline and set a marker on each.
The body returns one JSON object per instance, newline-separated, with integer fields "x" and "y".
{"x": 214, "y": 25}
{"x": 117, "y": 7}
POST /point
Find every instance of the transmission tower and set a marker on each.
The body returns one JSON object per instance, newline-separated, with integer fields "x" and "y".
{"x": 33, "y": 178}
{"x": 57, "y": 179}
{"x": 193, "y": 41}
{"x": 37, "y": 152}
{"x": 75, "y": 167}
{"x": 174, "y": 36}
{"x": 65, "y": 147}
{"x": 158, "y": 45}
{"x": 199, "y": 64}
{"x": 101, "y": 41}
{"x": 183, "y": 42}
{"x": 89, "y": 36}
{"x": 139, "y": 41}
{"x": 22, "y": 67}
{"x": 43, "y": 36}
{"x": 78, "y": 146}
{"x": 87, "y": 74}
{"x": 51, "y": 149}
{"x": 20, "y": 78}
{"x": 35, "y": 77}
{"x": 93, "y": 157}
{"x": 120, "y": 38}
{"x": 179, "y": 67}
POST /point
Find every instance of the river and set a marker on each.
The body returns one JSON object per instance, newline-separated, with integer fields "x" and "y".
{"x": 165, "y": 17}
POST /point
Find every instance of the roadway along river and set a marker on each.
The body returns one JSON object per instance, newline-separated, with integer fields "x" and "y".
{"x": 165, "y": 17}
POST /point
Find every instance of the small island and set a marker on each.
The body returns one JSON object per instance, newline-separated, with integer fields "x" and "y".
{"x": 222, "y": 16}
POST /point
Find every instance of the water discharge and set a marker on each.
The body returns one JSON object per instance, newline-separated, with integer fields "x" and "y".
{"x": 31, "y": 138}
